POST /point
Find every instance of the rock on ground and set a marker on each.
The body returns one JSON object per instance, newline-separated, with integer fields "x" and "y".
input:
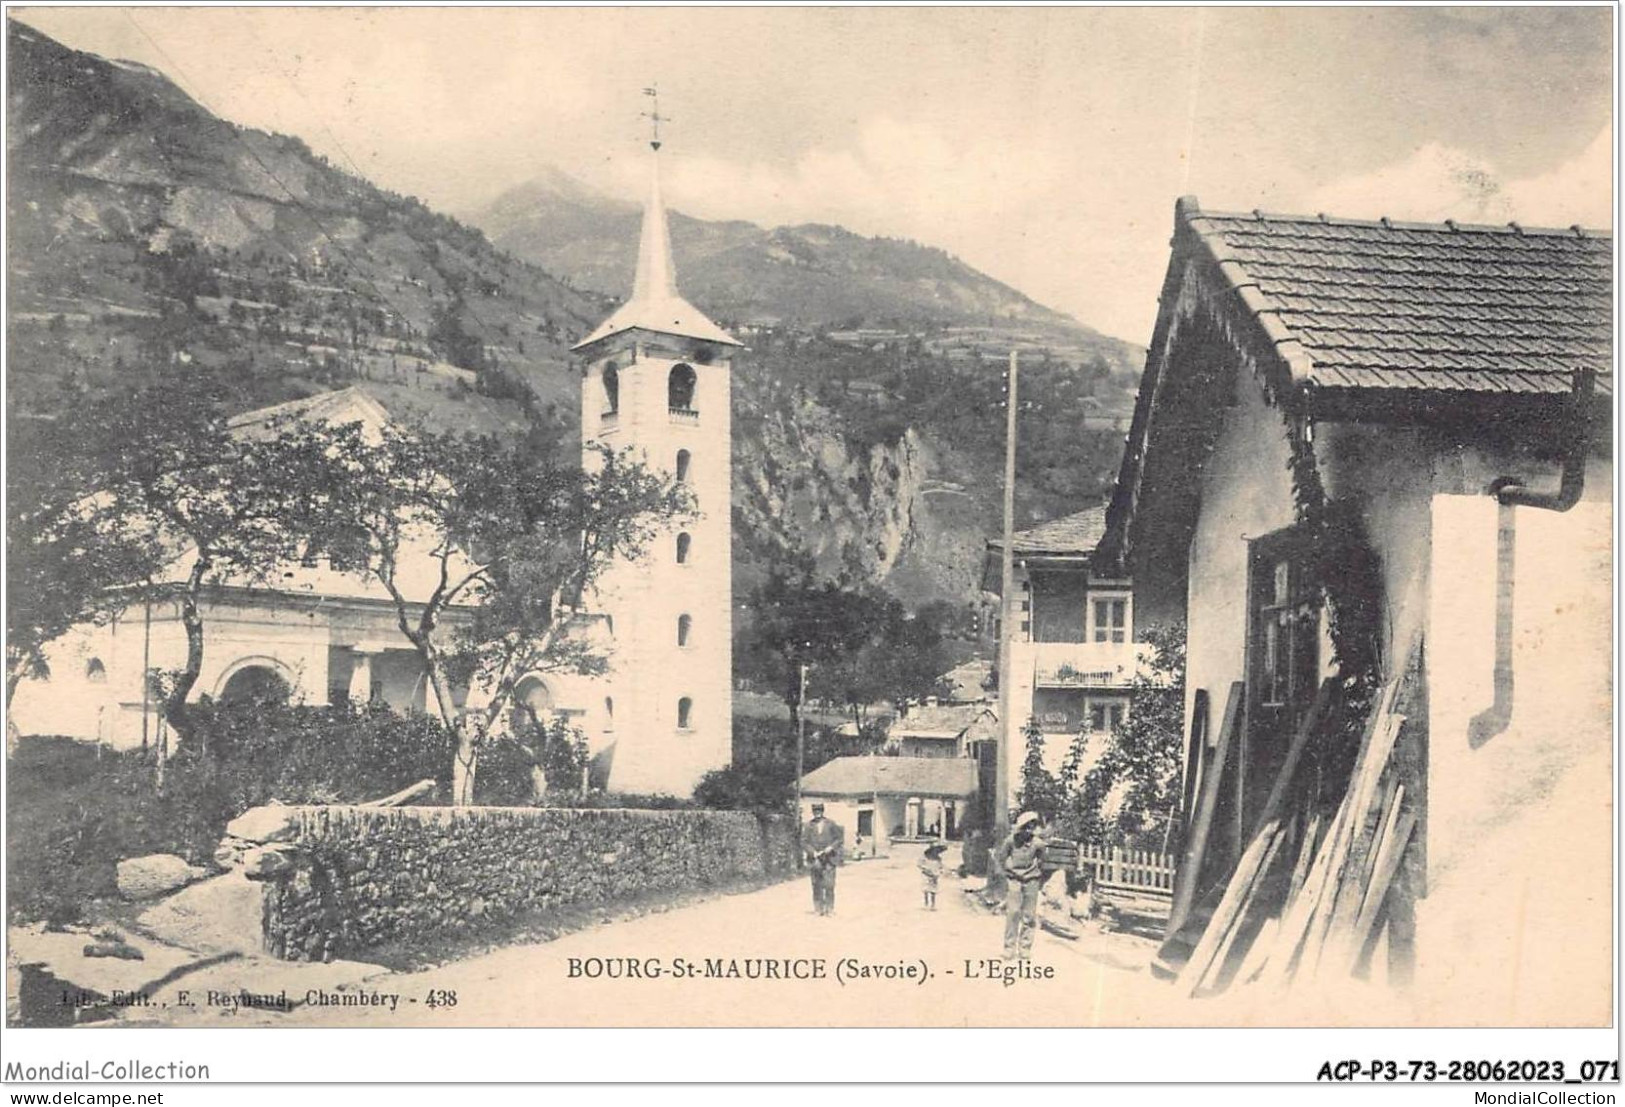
{"x": 154, "y": 875}
{"x": 220, "y": 915}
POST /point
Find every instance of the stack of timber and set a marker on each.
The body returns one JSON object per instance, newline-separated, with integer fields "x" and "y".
{"x": 1209, "y": 756}
{"x": 1307, "y": 898}
{"x": 1059, "y": 854}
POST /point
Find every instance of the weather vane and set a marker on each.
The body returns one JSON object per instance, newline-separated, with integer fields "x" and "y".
{"x": 653, "y": 115}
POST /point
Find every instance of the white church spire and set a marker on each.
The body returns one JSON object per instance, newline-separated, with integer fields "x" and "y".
{"x": 657, "y": 276}
{"x": 656, "y": 304}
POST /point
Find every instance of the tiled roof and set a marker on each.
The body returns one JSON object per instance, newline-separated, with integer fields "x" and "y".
{"x": 893, "y": 776}
{"x": 1070, "y": 534}
{"x": 970, "y": 680}
{"x": 1357, "y": 304}
{"x": 940, "y": 721}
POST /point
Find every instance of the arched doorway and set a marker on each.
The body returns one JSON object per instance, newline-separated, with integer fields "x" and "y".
{"x": 255, "y": 683}
{"x": 533, "y": 703}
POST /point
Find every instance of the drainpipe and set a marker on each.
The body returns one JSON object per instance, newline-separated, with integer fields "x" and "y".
{"x": 1511, "y": 493}
{"x": 1576, "y": 433}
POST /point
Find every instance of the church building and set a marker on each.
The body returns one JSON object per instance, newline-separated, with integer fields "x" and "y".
{"x": 655, "y": 378}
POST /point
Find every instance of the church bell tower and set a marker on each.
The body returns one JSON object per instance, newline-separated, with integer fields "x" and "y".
{"x": 655, "y": 377}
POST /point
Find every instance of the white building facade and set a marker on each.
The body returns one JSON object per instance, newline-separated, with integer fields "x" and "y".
{"x": 326, "y": 634}
{"x": 655, "y": 378}
{"x": 1070, "y": 635}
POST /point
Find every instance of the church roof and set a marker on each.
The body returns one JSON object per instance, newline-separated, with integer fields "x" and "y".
{"x": 656, "y": 304}
{"x": 344, "y": 406}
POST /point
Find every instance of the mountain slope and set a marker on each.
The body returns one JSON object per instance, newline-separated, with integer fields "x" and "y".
{"x": 868, "y": 438}
{"x": 803, "y": 277}
{"x": 143, "y": 229}
{"x": 870, "y": 429}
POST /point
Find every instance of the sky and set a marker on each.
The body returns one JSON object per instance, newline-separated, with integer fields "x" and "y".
{"x": 1045, "y": 146}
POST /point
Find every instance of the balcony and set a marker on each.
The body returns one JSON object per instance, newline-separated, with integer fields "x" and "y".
{"x": 609, "y": 420}
{"x": 1080, "y": 664}
{"x": 686, "y": 416}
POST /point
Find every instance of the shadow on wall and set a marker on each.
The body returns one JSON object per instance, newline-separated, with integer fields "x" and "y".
{"x": 1493, "y": 719}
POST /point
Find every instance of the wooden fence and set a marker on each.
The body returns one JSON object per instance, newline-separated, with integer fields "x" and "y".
{"x": 1141, "y": 869}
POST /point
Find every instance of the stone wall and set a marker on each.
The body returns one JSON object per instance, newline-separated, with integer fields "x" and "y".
{"x": 342, "y": 880}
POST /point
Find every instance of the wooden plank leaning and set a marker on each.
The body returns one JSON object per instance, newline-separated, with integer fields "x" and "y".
{"x": 1225, "y": 929}
{"x": 1312, "y": 720}
{"x": 1353, "y": 829}
{"x": 1357, "y": 877}
{"x": 1259, "y": 954}
{"x": 1190, "y": 868}
{"x": 1299, "y": 921}
{"x": 1196, "y": 760}
{"x": 1341, "y": 902}
{"x": 1306, "y": 855}
{"x": 1249, "y": 916}
{"x": 1253, "y": 862}
{"x": 1388, "y": 859}
{"x": 1294, "y": 928}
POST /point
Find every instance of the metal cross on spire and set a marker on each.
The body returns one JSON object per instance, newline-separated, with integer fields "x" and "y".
{"x": 653, "y": 115}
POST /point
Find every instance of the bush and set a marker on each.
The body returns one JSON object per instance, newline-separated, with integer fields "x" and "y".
{"x": 507, "y": 767}
{"x": 244, "y": 755}
{"x": 74, "y": 810}
{"x": 503, "y": 775}
{"x": 752, "y": 786}
{"x": 762, "y": 776}
{"x": 610, "y": 801}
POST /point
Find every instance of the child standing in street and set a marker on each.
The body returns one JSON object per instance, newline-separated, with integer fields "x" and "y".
{"x": 931, "y": 871}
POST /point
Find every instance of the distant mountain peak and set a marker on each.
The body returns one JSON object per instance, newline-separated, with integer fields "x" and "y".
{"x": 549, "y": 189}
{"x": 809, "y": 275}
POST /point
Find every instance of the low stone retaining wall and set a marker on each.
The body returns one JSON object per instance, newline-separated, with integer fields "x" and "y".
{"x": 341, "y": 880}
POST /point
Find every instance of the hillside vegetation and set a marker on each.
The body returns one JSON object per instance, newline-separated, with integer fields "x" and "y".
{"x": 147, "y": 232}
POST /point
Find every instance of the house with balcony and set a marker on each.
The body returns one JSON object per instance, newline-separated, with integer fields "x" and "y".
{"x": 1070, "y": 634}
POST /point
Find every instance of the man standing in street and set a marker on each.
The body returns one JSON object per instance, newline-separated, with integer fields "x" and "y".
{"x": 1021, "y": 857}
{"x": 821, "y": 842}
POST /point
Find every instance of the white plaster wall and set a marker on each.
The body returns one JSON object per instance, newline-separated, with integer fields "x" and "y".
{"x": 1520, "y": 829}
{"x": 287, "y": 640}
{"x": 1246, "y": 493}
{"x": 649, "y": 672}
{"x": 68, "y": 702}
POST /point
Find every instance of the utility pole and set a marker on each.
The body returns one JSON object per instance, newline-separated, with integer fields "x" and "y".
{"x": 801, "y": 737}
{"x": 1001, "y": 772}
